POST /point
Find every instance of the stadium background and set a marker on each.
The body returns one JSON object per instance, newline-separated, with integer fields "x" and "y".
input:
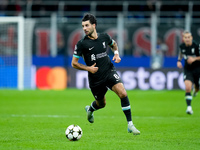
{"x": 128, "y": 22}
{"x": 37, "y": 119}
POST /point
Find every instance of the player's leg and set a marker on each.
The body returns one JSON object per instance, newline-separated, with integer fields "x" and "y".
{"x": 188, "y": 96}
{"x": 97, "y": 104}
{"x": 196, "y": 86}
{"x": 100, "y": 102}
{"x": 115, "y": 84}
{"x": 125, "y": 104}
{"x": 195, "y": 90}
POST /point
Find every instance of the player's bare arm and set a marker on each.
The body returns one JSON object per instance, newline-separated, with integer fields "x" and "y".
{"x": 179, "y": 64}
{"x": 75, "y": 64}
{"x": 190, "y": 59}
{"x": 114, "y": 48}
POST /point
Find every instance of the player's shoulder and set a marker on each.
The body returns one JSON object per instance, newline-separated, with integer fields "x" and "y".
{"x": 103, "y": 34}
{"x": 182, "y": 45}
{"x": 194, "y": 43}
{"x": 81, "y": 41}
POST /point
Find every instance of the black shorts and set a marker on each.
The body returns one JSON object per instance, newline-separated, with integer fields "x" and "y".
{"x": 193, "y": 76}
{"x": 110, "y": 80}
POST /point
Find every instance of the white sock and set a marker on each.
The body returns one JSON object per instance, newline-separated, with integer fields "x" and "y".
{"x": 130, "y": 123}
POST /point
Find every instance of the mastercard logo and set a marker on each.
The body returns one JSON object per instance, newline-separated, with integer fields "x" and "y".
{"x": 51, "y": 78}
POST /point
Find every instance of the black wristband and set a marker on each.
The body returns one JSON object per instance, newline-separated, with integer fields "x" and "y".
{"x": 179, "y": 60}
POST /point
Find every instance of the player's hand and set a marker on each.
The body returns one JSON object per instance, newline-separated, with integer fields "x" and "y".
{"x": 190, "y": 60}
{"x": 179, "y": 65}
{"x": 116, "y": 58}
{"x": 93, "y": 69}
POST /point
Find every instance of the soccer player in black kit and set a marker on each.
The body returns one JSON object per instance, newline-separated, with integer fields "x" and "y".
{"x": 101, "y": 72}
{"x": 190, "y": 51}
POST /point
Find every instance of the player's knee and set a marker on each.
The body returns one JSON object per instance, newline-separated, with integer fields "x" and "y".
{"x": 122, "y": 94}
{"x": 102, "y": 104}
{"x": 188, "y": 89}
{"x": 197, "y": 87}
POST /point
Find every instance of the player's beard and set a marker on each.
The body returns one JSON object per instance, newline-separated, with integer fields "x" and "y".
{"x": 188, "y": 43}
{"x": 90, "y": 33}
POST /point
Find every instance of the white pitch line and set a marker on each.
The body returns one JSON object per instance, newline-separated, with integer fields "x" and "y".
{"x": 98, "y": 116}
{"x": 44, "y": 116}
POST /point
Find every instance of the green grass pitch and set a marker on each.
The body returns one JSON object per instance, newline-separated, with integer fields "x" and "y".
{"x": 37, "y": 120}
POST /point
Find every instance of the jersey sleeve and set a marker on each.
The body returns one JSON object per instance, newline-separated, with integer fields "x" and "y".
{"x": 179, "y": 55}
{"x": 180, "y": 47}
{"x": 109, "y": 39}
{"x": 78, "y": 50}
{"x": 198, "y": 50}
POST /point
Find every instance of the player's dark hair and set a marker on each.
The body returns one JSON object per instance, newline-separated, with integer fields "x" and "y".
{"x": 187, "y": 32}
{"x": 90, "y": 17}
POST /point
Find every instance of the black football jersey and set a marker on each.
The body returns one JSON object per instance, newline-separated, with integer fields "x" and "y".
{"x": 193, "y": 51}
{"x": 94, "y": 51}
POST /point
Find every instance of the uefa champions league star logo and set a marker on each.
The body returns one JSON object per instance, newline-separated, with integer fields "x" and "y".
{"x": 104, "y": 45}
{"x": 93, "y": 57}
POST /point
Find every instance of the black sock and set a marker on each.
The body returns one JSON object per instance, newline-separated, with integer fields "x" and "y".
{"x": 188, "y": 98}
{"x": 93, "y": 106}
{"x": 126, "y": 108}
